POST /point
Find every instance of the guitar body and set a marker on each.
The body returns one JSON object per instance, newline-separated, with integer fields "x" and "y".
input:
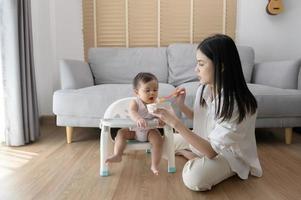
{"x": 274, "y": 7}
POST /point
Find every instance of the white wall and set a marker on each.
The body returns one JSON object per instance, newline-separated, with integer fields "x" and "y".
{"x": 57, "y": 34}
{"x": 67, "y": 31}
{"x": 43, "y": 54}
{"x": 272, "y": 37}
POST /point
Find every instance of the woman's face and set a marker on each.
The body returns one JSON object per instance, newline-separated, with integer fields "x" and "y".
{"x": 204, "y": 68}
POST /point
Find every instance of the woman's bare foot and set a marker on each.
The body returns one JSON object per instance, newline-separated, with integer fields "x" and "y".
{"x": 113, "y": 158}
{"x": 155, "y": 170}
{"x": 186, "y": 154}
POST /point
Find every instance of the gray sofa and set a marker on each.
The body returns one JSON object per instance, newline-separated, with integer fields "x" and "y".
{"x": 87, "y": 89}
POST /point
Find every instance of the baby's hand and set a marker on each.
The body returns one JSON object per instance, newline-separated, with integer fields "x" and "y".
{"x": 141, "y": 123}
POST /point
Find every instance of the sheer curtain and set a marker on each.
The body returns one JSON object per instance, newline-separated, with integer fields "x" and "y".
{"x": 21, "y": 119}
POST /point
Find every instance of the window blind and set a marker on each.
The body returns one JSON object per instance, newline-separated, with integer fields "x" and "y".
{"x": 110, "y": 22}
{"x": 88, "y": 25}
{"x": 175, "y": 21}
{"x": 142, "y": 22}
{"x": 134, "y": 23}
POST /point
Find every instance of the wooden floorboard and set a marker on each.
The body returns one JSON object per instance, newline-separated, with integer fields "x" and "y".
{"x": 52, "y": 169}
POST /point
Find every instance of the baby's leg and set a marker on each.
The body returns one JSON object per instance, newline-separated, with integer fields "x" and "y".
{"x": 122, "y": 136}
{"x": 156, "y": 140}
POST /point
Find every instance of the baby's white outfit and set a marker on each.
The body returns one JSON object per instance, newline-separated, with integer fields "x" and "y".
{"x": 141, "y": 133}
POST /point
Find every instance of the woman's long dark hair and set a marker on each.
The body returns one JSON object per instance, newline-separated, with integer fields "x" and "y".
{"x": 228, "y": 76}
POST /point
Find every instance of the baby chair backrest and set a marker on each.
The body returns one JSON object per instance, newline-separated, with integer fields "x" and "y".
{"x": 118, "y": 109}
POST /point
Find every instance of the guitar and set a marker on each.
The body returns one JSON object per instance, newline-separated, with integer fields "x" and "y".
{"x": 274, "y": 7}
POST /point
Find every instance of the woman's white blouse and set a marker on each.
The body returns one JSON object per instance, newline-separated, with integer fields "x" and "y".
{"x": 236, "y": 142}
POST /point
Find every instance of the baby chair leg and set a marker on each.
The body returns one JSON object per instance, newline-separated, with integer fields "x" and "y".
{"x": 105, "y": 132}
{"x": 169, "y": 149}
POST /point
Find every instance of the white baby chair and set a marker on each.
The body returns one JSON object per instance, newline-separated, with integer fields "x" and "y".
{"x": 114, "y": 118}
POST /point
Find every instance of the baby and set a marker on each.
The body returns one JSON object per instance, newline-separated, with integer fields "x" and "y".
{"x": 145, "y": 86}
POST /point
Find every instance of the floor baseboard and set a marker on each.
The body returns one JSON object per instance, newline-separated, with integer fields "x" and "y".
{"x": 48, "y": 120}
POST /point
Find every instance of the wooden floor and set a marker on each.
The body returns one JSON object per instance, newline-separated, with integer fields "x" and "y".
{"x": 52, "y": 169}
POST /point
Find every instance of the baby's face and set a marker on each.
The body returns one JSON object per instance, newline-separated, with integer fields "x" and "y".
{"x": 148, "y": 92}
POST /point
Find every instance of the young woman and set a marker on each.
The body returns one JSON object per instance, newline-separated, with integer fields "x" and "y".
{"x": 222, "y": 142}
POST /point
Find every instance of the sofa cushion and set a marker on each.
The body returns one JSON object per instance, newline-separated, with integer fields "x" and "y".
{"x": 75, "y": 74}
{"x": 247, "y": 58}
{"x": 92, "y": 101}
{"x": 182, "y": 62}
{"x": 276, "y": 102}
{"x": 120, "y": 65}
{"x": 280, "y": 74}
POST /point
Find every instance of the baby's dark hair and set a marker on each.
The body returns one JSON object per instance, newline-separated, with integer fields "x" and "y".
{"x": 143, "y": 77}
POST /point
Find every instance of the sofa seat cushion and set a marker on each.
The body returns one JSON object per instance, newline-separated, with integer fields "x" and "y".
{"x": 92, "y": 101}
{"x": 272, "y": 102}
{"x": 276, "y": 102}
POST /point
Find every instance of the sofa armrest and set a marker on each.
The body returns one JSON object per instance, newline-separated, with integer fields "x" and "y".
{"x": 75, "y": 74}
{"x": 280, "y": 74}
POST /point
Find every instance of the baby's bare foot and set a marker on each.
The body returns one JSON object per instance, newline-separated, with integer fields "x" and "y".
{"x": 113, "y": 158}
{"x": 155, "y": 170}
